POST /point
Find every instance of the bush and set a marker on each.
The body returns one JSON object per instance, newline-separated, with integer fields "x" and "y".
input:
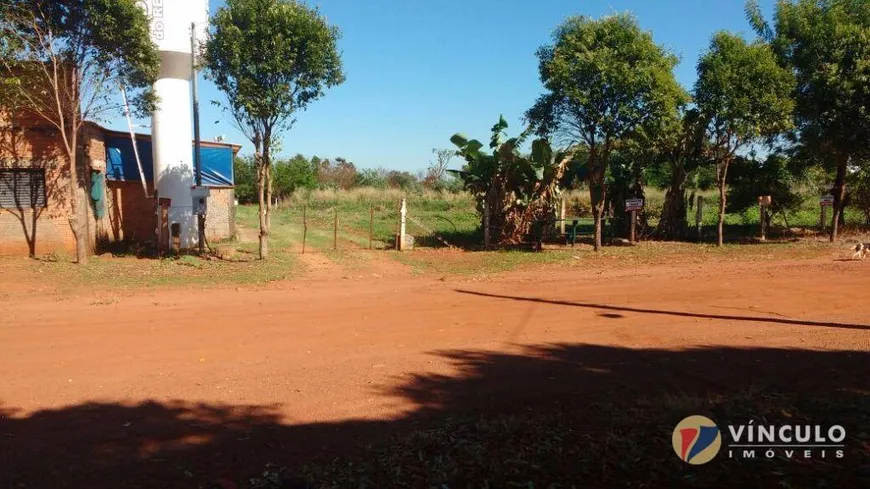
{"x": 749, "y": 179}
{"x": 293, "y": 174}
{"x": 245, "y": 177}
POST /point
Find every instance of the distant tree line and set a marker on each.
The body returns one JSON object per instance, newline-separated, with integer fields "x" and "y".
{"x": 299, "y": 172}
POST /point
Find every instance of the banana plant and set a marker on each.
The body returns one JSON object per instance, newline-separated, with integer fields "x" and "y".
{"x": 519, "y": 189}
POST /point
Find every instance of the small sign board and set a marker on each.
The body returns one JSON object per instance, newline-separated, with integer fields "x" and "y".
{"x": 827, "y": 200}
{"x": 633, "y": 205}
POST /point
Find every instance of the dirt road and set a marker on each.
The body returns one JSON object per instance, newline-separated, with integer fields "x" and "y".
{"x": 115, "y": 381}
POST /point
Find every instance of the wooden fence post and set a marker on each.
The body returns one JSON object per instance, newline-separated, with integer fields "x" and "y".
{"x": 335, "y": 231}
{"x": 824, "y": 217}
{"x": 371, "y": 224}
{"x": 304, "y": 227}
{"x": 486, "y": 236}
{"x": 699, "y": 217}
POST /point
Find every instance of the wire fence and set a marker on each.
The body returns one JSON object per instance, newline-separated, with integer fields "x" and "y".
{"x": 358, "y": 221}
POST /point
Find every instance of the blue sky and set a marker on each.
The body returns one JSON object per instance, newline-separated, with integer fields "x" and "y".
{"x": 419, "y": 71}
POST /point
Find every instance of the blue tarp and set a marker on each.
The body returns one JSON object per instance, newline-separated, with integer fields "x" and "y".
{"x": 217, "y": 163}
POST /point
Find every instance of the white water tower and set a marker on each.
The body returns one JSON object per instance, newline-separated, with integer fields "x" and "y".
{"x": 171, "y": 124}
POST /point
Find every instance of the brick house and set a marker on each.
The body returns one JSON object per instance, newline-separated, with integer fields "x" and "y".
{"x": 34, "y": 188}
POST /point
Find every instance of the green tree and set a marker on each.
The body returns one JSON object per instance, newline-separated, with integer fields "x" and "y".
{"x": 827, "y": 46}
{"x": 860, "y": 184}
{"x": 679, "y": 144}
{"x": 604, "y": 79}
{"x": 245, "y": 179}
{"x": 372, "y": 177}
{"x": 773, "y": 176}
{"x": 62, "y": 60}
{"x": 270, "y": 58}
{"x": 293, "y": 174}
{"x": 401, "y": 180}
{"x": 744, "y": 96}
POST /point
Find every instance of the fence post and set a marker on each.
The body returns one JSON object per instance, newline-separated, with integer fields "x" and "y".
{"x": 335, "y": 231}
{"x": 633, "y": 227}
{"x": 304, "y": 227}
{"x": 823, "y": 220}
{"x": 562, "y": 218}
{"x": 699, "y": 217}
{"x": 574, "y": 225}
{"x": 400, "y": 239}
{"x": 371, "y": 224}
{"x": 486, "y": 237}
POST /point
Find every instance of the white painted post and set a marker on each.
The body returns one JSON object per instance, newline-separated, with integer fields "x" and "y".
{"x": 562, "y": 218}
{"x": 403, "y": 211}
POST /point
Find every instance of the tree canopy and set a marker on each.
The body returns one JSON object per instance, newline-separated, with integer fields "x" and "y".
{"x": 744, "y": 95}
{"x": 270, "y": 58}
{"x": 825, "y": 43}
{"x": 604, "y": 79}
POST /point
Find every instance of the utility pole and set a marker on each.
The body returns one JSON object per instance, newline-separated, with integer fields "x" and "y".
{"x": 197, "y": 154}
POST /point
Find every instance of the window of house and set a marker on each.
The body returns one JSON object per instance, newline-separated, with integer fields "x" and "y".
{"x": 22, "y": 188}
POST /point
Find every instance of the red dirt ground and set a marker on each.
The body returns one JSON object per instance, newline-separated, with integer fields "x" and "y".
{"x": 86, "y": 387}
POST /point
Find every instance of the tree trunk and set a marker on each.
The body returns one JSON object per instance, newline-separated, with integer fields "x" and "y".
{"x": 721, "y": 175}
{"x": 78, "y": 216}
{"x": 597, "y": 196}
{"x": 261, "y": 199}
{"x": 270, "y": 197}
{"x": 839, "y": 197}
{"x": 672, "y": 224}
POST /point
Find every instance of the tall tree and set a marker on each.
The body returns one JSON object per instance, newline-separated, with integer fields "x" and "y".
{"x": 827, "y": 46}
{"x": 270, "y": 58}
{"x": 744, "y": 95}
{"x": 63, "y": 60}
{"x": 604, "y": 78}
{"x": 679, "y": 143}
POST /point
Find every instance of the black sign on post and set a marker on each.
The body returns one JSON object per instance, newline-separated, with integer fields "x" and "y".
{"x": 632, "y": 206}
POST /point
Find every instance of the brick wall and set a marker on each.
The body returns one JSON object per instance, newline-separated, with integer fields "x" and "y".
{"x": 27, "y": 141}
{"x": 129, "y": 214}
{"x": 219, "y": 223}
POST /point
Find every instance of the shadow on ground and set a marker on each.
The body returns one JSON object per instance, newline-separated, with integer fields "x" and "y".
{"x": 547, "y": 416}
{"x": 665, "y": 312}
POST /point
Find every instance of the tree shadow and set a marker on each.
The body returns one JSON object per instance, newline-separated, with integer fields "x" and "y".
{"x": 609, "y": 307}
{"x": 553, "y": 415}
{"x": 28, "y": 146}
